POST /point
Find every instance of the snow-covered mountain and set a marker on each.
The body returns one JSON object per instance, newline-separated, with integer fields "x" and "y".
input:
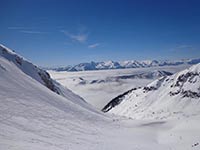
{"x": 104, "y": 85}
{"x": 154, "y": 74}
{"x": 33, "y": 116}
{"x": 39, "y": 75}
{"x": 167, "y": 97}
{"x": 124, "y": 64}
{"x": 29, "y": 69}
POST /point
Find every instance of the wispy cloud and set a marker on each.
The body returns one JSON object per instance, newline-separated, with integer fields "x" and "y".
{"x": 27, "y": 30}
{"x": 31, "y": 32}
{"x": 19, "y": 28}
{"x": 15, "y": 28}
{"x": 79, "y": 37}
{"x": 93, "y": 45}
{"x": 182, "y": 47}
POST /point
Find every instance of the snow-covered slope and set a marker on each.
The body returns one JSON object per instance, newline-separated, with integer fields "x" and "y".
{"x": 168, "y": 97}
{"x": 32, "y": 117}
{"x": 125, "y": 64}
{"x": 40, "y": 75}
{"x": 28, "y": 68}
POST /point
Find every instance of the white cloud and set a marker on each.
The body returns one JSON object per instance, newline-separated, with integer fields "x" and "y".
{"x": 32, "y": 32}
{"x": 15, "y": 28}
{"x": 27, "y": 30}
{"x": 184, "y": 46}
{"x": 79, "y": 37}
{"x": 93, "y": 45}
{"x": 19, "y": 28}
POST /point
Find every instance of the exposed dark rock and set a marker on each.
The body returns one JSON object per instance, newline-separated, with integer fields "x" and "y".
{"x": 190, "y": 94}
{"x": 116, "y": 101}
{"x": 174, "y": 93}
{"x": 186, "y": 93}
{"x": 4, "y": 51}
{"x": 195, "y": 144}
{"x": 188, "y": 77}
{"x": 48, "y": 81}
{"x": 18, "y": 60}
{"x": 184, "y": 77}
{"x": 150, "y": 88}
{"x": 97, "y": 81}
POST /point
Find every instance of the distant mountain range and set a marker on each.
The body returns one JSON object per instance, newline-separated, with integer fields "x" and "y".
{"x": 154, "y": 74}
{"x": 124, "y": 64}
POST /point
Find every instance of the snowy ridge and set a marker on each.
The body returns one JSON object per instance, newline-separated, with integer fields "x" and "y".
{"x": 124, "y": 64}
{"x": 41, "y": 76}
{"x": 175, "y": 96}
{"x": 28, "y": 68}
{"x": 33, "y": 117}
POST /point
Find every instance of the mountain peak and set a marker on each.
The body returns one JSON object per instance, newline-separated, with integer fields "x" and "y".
{"x": 104, "y": 65}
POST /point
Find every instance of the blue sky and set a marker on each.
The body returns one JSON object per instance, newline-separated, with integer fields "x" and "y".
{"x": 63, "y": 32}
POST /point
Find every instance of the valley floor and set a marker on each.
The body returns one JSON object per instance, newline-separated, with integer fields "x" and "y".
{"x": 100, "y": 135}
{"x": 100, "y": 87}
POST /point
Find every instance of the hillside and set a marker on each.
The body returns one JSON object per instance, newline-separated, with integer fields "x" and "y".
{"x": 175, "y": 96}
{"x": 40, "y": 75}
